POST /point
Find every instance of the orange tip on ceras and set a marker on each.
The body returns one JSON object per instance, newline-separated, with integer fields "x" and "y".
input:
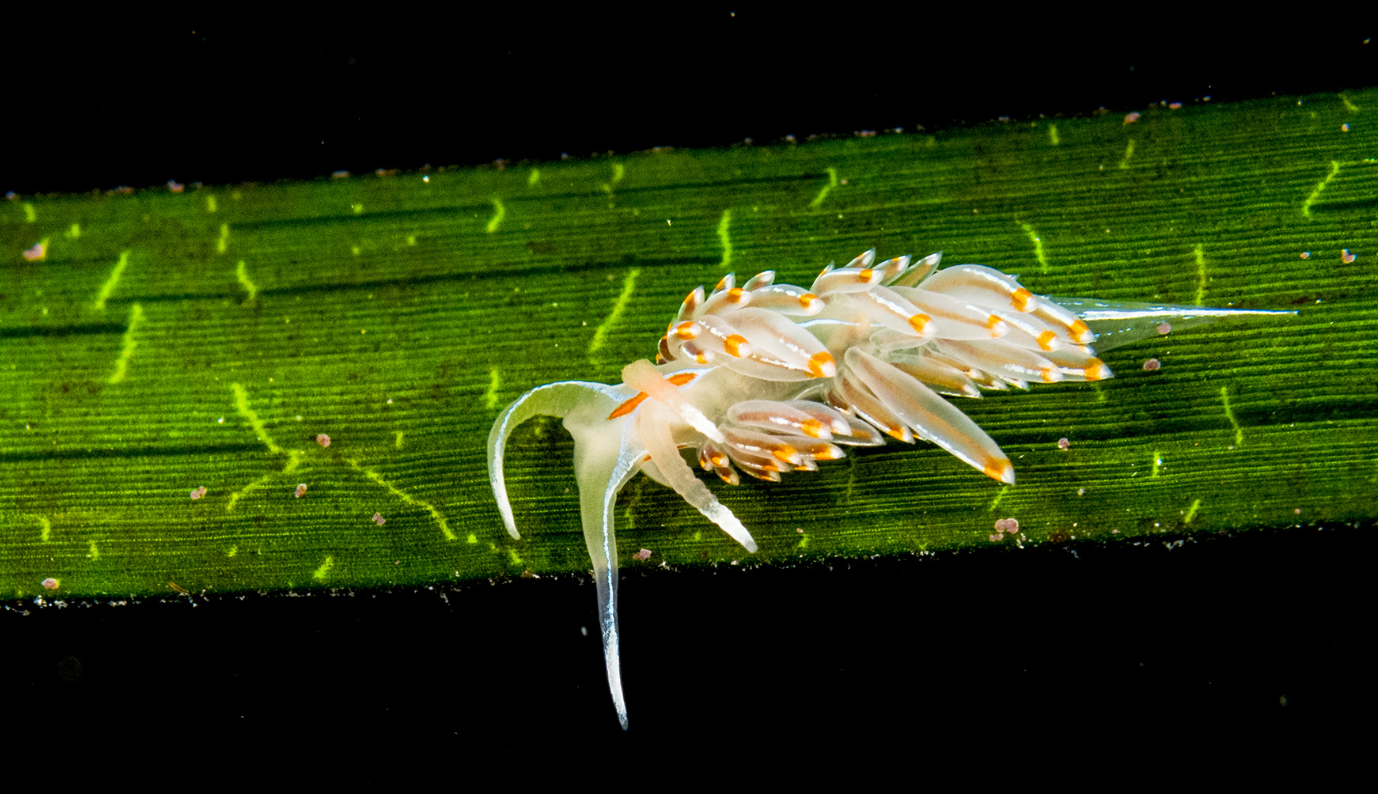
{"x": 821, "y": 365}
{"x": 1000, "y": 470}
{"x": 736, "y": 345}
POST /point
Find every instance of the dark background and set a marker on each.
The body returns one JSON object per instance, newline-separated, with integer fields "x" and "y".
{"x": 1135, "y": 655}
{"x": 238, "y": 97}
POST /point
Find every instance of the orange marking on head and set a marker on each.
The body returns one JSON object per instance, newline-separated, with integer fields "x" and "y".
{"x": 919, "y": 323}
{"x": 806, "y": 300}
{"x": 718, "y": 459}
{"x": 1080, "y": 330}
{"x": 722, "y": 282}
{"x": 812, "y": 428}
{"x": 680, "y": 378}
{"x": 896, "y": 432}
{"x": 701, "y": 358}
{"x": 1096, "y": 370}
{"x": 1048, "y": 374}
{"x": 1046, "y": 340}
{"x": 866, "y": 275}
{"x": 736, "y": 346}
{"x": 628, "y": 406}
{"x": 735, "y": 294}
{"x": 646, "y": 459}
{"x": 821, "y": 365}
{"x": 687, "y": 330}
{"x": 827, "y": 453}
{"x": 1021, "y": 299}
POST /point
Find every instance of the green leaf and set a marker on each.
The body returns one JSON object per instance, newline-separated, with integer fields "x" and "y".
{"x": 212, "y": 338}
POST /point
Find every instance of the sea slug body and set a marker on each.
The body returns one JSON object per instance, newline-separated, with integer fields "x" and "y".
{"x": 765, "y": 379}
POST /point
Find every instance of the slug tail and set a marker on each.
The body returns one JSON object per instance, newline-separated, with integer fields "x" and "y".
{"x": 1117, "y": 323}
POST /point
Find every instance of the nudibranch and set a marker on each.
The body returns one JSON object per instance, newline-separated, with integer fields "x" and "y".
{"x": 768, "y": 378}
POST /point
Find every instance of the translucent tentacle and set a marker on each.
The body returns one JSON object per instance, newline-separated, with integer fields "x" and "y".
{"x": 606, "y": 455}
{"x": 552, "y": 399}
{"x": 653, "y": 425}
{"x": 603, "y": 463}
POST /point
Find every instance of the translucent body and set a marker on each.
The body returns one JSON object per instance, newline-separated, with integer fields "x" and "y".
{"x": 790, "y": 374}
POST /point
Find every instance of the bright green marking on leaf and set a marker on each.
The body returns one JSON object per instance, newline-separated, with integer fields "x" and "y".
{"x": 1052, "y": 135}
{"x": 356, "y": 250}
{"x": 411, "y": 239}
{"x": 618, "y": 170}
{"x": 109, "y": 286}
{"x": 224, "y": 240}
{"x": 822, "y": 194}
{"x": 1128, "y": 153}
{"x": 1350, "y": 106}
{"x": 294, "y": 460}
{"x": 30, "y": 214}
{"x": 94, "y": 553}
{"x": 600, "y": 334}
{"x": 1311, "y": 199}
{"x": 241, "y": 404}
{"x": 499, "y": 214}
{"x": 516, "y": 560}
{"x": 74, "y": 231}
{"x": 535, "y": 178}
{"x": 45, "y": 529}
{"x": 358, "y": 208}
{"x": 1191, "y": 511}
{"x": 210, "y": 204}
{"x": 1038, "y": 245}
{"x": 490, "y": 397}
{"x": 472, "y": 539}
{"x": 233, "y": 550}
{"x": 237, "y": 495}
{"x": 803, "y": 542}
{"x": 136, "y": 316}
{"x": 241, "y": 272}
{"x": 1200, "y": 276}
{"x": 724, "y": 238}
{"x": 1157, "y": 463}
{"x": 1229, "y": 414}
{"x": 397, "y": 442}
{"x": 322, "y": 571}
{"x": 436, "y": 515}
{"x": 996, "y": 501}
